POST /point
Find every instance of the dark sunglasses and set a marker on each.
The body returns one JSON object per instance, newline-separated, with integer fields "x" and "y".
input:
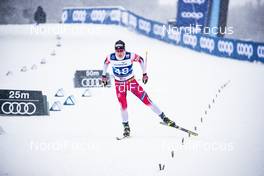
{"x": 120, "y": 50}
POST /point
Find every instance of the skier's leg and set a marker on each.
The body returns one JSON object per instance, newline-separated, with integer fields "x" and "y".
{"x": 137, "y": 90}
{"x": 155, "y": 108}
{"x": 121, "y": 93}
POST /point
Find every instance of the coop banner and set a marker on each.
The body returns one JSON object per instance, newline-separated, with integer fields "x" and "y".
{"x": 222, "y": 47}
{"x": 193, "y": 12}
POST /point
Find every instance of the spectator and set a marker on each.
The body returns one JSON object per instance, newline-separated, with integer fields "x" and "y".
{"x": 40, "y": 15}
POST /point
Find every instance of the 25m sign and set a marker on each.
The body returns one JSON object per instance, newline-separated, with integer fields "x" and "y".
{"x": 23, "y": 103}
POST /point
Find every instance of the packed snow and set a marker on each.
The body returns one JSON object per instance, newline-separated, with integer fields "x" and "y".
{"x": 80, "y": 139}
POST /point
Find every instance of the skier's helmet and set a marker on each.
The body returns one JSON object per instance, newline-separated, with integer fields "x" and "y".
{"x": 119, "y": 45}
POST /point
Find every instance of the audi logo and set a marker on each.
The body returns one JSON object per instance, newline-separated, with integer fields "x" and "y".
{"x": 261, "y": 51}
{"x": 245, "y": 49}
{"x": 194, "y": 1}
{"x": 195, "y": 15}
{"x": 88, "y": 82}
{"x": 207, "y": 43}
{"x": 21, "y": 108}
{"x": 190, "y": 40}
{"x": 226, "y": 47}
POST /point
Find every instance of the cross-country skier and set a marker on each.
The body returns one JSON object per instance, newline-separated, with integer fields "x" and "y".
{"x": 122, "y": 65}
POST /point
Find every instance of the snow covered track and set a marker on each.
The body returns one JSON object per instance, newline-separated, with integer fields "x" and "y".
{"x": 81, "y": 138}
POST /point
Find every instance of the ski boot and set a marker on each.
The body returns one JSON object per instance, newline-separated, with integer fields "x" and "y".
{"x": 167, "y": 120}
{"x": 126, "y": 129}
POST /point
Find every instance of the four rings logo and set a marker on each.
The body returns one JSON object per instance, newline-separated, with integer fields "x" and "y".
{"x": 195, "y": 15}
{"x": 190, "y": 40}
{"x": 194, "y": 1}
{"x": 245, "y": 49}
{"x": 207, "y": 43}
{"x": 20, "y": 108}
{"x": 91, "y": 82}
{"x": 261, "y": 51}
{"x": 226, "y": 47}
{"x": 89, "y": 78}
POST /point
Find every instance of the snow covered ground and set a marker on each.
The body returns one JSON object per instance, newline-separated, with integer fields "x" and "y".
{"x": 80, "y": 140}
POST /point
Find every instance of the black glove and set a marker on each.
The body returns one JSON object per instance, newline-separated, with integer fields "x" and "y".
{"x": 104, "y": 80}
{"x": 145, "y": 78}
